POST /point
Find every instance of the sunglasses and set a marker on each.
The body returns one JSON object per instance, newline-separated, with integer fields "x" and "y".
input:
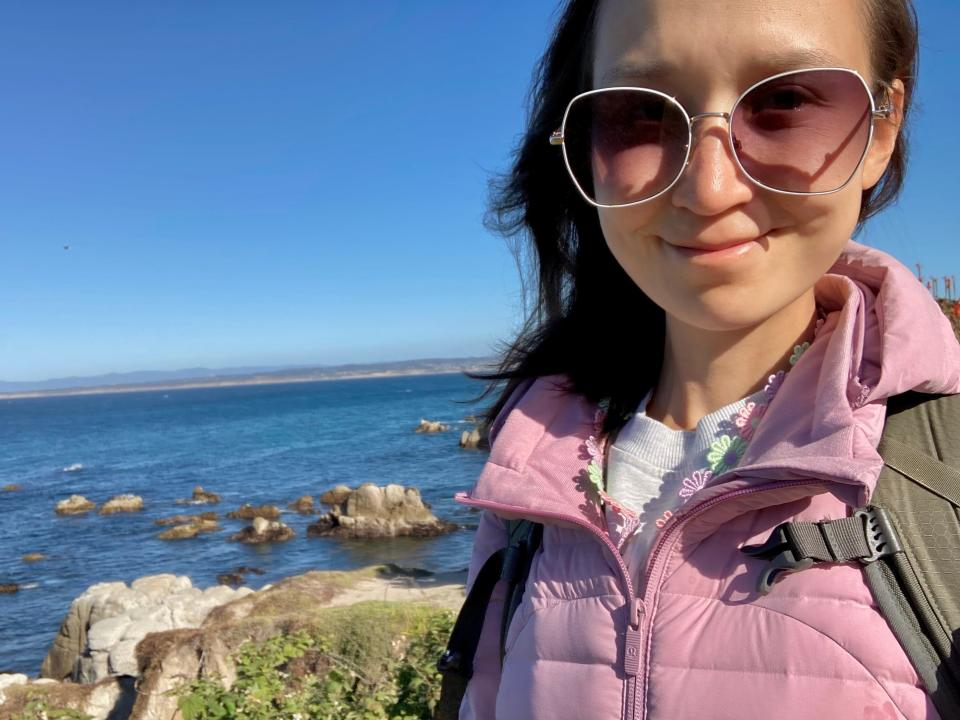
{"x": 802, "y": 132}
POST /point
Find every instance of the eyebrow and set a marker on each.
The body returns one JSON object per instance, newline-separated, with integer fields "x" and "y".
{"x": 776, "y": 60}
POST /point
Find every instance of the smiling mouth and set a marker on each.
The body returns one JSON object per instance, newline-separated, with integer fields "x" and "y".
{"x": 721, "y": 251}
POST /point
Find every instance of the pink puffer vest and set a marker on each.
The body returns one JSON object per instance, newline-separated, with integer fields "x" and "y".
{"x": 695, "y": 640}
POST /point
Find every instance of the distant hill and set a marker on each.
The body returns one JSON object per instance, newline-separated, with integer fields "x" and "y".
{"x": 206, "y": 377}
{"x": 132, "y": 378}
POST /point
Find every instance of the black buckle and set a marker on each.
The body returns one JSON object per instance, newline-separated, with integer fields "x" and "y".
{"x": 881, "y": 537}
{"x": 450, "y": 662}
{"x": 782, "y": 556}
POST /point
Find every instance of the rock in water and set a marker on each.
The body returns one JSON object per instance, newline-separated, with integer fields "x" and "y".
{"x": 186, "y": 519}
{"x": 264, "y": 531}
{"x": 473, "y": 439}
{"x": 201, "y": 496}
{"x": 335, "y": 496}
{"x": 304, "y": 505}
{"x": 249, "y": 512}
{"x": 429, "y": 426}
{"x": 74, "y": 505}
{"x": 372, "y": 511}
{"x": 122, "y": 503}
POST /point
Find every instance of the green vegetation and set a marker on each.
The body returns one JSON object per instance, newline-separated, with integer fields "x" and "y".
{"x": 369, "y": 661}
{"x": 37, "y": 708}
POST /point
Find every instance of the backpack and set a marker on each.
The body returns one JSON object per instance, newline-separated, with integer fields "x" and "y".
{"x": 908, "y": 540}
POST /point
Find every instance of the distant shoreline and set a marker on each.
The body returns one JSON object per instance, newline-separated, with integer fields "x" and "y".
{"x": 236, "y": 382}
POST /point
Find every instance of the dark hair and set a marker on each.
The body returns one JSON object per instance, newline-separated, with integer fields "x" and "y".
{"x": 588, "y": 320}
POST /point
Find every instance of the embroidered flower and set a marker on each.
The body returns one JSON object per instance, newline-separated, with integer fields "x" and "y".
{"x": 695, "y": 483}
{"x": 748, "y": 419}
{"x": 798, "y": 350}
{"x": 725, "y": 453}
{"x": 595, "y": 474}
{"x": 773, "y": 384}
{"x": 662, "y": 520}
{"x": 621, "y": 523}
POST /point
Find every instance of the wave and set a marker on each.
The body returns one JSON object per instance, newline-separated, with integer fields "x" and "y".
{"x": 73, "y": 468}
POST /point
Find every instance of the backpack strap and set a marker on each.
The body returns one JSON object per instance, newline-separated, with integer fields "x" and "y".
{"x": 908, "y": 540}
{"x": 524, "y": 539}
{"x": 510, "y": 564}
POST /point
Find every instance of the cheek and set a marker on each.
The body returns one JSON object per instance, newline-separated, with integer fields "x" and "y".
{"x": 824, "y": 223}
{"x": 628, "y": 236}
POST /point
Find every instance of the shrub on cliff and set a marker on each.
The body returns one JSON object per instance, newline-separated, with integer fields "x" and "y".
{"x": 378, "y": 663}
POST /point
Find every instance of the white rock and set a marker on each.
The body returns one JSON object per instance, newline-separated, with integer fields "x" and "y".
{"x": 107, "y": 632}
{"x": 159, "y": 586}
{"x": 92, "y": 668}
{"x": 123, "y": 658}
{"x": 393, "y": 495}
{"x": 100, "y": 703}
{"x": 260, "y": 525}
{"x": 8, "y": 679}
{"x": 218, "y": 595}
{"x": 118, "y": 602}
{"x": 137, "y": 630}
{"x": 145, "y": 612}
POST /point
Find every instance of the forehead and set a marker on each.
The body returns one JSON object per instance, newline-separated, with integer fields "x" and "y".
{"x": 700, "y": 44}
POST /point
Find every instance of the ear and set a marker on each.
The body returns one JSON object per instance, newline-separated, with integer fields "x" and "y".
{"x": 885, "y": 133}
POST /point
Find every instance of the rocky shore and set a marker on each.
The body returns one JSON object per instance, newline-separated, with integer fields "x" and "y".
{"x": 133, "y": 651}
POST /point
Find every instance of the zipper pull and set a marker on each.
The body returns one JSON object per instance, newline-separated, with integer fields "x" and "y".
{"x": 633, "y": 645}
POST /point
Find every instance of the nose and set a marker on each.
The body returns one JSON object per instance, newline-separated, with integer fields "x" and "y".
{"x": 712, "y": 181}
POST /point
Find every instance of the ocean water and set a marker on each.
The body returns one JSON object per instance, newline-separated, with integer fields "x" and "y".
{"x": 257, "y": 444}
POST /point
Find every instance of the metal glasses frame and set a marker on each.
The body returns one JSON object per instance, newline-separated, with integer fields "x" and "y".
{"x": 557, "y": 137}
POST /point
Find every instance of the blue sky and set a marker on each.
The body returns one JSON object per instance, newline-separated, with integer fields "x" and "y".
{"x": 253, "y": 183}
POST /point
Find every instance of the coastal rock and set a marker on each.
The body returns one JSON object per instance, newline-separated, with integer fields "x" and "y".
{"x": 237, "y": 576}
{"x": 303, "y": 505}
{"x": 186, "y": 519}
{"x": 430, "y": 426}
{"x": 107, "y": 633}
{"x": 202, "y": 497}
{"x": 335, "y": 496}
{"x": 96, "y": 635}
{"x": 249, "y": 512}
{"x": 12, "y": 487}
{"x": 107, "y": 699}
{"x": 190, "y": 529}
{"x": 33, "y": 557}
{"x": 8, "y": 680}
{"x": 122, "y": 503}
{"x": 9, "y": 588}
{"x": 231, "y": 579}
{"x": 264, "y": 531}
{"x": 74, "y": 505}
{"x": 372, "y": 511}
{"x": 473, "y": 439}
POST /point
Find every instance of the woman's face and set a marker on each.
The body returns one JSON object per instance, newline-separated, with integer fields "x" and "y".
{"x": 707, "y": 54}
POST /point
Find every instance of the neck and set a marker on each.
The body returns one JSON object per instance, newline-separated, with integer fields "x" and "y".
{"x": 703, "y": 370}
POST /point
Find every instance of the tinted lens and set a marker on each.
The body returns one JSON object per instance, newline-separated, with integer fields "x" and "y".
{"x": 803, "y": 132}
{"x": 624, "y": 146}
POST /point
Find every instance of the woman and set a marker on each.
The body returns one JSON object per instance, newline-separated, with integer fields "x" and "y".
{"x": 710, "y": 356}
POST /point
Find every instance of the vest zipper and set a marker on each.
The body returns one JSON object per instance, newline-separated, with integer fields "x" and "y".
{"x": 655, "y": 566}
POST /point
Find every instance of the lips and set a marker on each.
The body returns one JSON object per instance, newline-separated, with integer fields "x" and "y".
{"x": 713, "y": 247}
{"x": 715, "y": 254}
